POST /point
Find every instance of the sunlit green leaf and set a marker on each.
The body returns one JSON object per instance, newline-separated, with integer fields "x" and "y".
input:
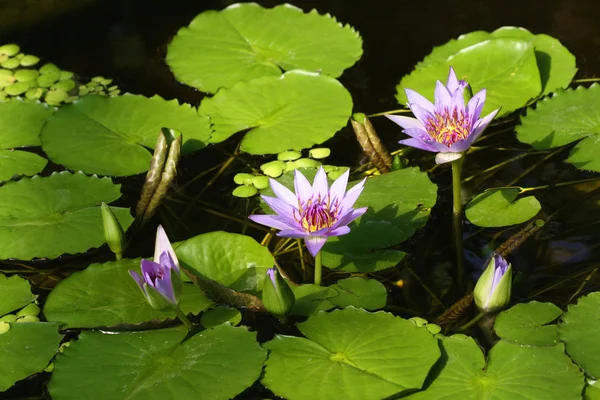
{"x": 246, "y": 41}
{"x": 528, "y": 324}
{"x": 294, "y": 111}
{"x": 215, "y": 364}
{"x": 500, "y": 207}
{"x": 47, "y": 217}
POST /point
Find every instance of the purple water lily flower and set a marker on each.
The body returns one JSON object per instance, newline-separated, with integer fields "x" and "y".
{"x": 313, "y": 213}
{"x": 160, "y": 281}
{"x": 447, "y": 127}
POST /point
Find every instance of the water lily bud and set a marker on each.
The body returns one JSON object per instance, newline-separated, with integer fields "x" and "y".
{"x": 319, "y": 153}
{"x": 492, "y": 291}
{"x": 113, "y": 232}
{"x": 30, "y": 309}
{"x": 277, "y": 296}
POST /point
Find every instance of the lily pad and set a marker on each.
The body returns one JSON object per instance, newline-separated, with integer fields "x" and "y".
{"x": 112, "y": 135}
{"x": 512, "y": 371}
{"x": 350, "y": 354}
{"x": 246, "y": 41}
{"x": 579, "y": 330}
{"x": 215, "y": 364}
{"x": 106, "y": 295}
{"x": 219, "y": 315}
{"x": 507, "y": 68}
{"x": 47, "y": 217}
{"x": 358, "y": 292}
{"x": 14, "y": 163}
{"x": 22, "y": 123}
{"x": 555, "y": 62}
{"x": 311, "y": 299}
{"x": 234, "y": 260}
{"x": 15, "y": 293}
{"x": 566, "y": 117}
{"x": 528, "y": 324}
{"x": 26, "y": 349}
{"x": 500, "y": 207}
{"x": 399, "y": 203}
{"x": 293, "y": 111}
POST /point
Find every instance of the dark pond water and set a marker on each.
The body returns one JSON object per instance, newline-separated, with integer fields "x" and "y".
{"x": 126, "y": 40}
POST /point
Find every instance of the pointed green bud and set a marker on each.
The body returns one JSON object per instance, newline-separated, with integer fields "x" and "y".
{"x": 113, "y": 232}
{"x": 492, "y": 291}
{"x": 277, "y": 296}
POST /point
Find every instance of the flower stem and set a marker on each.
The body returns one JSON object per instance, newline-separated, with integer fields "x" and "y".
{"x": 183, "y": 318}
{"x": 457, "y": 221}
{"x": 472, "y": 322}
{"x": 318, "y": 267}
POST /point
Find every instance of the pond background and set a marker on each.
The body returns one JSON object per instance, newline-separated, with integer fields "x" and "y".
{"x": 126, "y": 40}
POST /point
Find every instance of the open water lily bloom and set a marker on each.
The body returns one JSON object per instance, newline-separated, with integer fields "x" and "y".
{"x": 315, "y": 212}
{"x": 448, "y": 127}
{"x": 160, "y": 281}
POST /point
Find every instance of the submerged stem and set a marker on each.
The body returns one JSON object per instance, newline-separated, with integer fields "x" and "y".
{"x": 471, "y": 322}
{"x": 318, "y": 267}
{"x": 456, "y": 220}
{"x": 183, "y": 318}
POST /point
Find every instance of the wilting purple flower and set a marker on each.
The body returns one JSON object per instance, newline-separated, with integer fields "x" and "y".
{"x": 313, "y": 213}
{"x": 447, "y": 127}
{"x": 160, "y": 281}
{"x": 493, "y": 289}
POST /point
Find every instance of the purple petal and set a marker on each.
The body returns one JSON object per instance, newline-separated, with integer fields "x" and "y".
{"x": 320, "y": 186}
{"x": 406, "y": 122}
{"x": 461, "y": 145}
{"x": 342, "y": 230}
{"x": 279, "y": 206}
{"x": 284, "y": 193}
{"x": 442, "y": 158}
{"x": 351, "y": 196}
{"x": 419, "y": 144}
{"x": 167, "y": 261}
{"x": 351, "y": 216}
{"x": 458, "y": 101}
{"x": 338, "y": 188}
{"x": 452, "y": 82}
{"x": 163, "y": 244}
{"x": 421, "y": 114}
{"x": 138, "y": 278}
{"x": 303, "y": 187}
{"x": 314, "y": 244}
{"x": 475, "y": 105}
{"x": 293, "y": 233}
{"x": 270, "y": 220}
{"x": 149, "y": 270}
{"x": 480, "y": 126}
{"x": 417, "y": 133}
{"x": 164, "y": 286}
{"x": 271, "y": 273}
{"x": 443, "y": 98}
{"x": 415, "y": 98}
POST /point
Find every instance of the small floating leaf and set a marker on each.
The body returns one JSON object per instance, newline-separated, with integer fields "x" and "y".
{"x": 500, "y": 207}
{"x": 368, "y": 294}
{"x": 15, "y": 293}
{"x": 528, "y": 324}
{"x": 244, "y": 191}
{"x": 246, "y": 41}
{"x": 294, "y": 111}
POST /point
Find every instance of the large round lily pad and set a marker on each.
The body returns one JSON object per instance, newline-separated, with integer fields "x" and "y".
{"x": 293, "y": 111}
{"x": 566, "y": 117}
{"x": 579, "y": 329}
{"x": 369, "y": 294}
{"x": 500, "y": 207}
{"x": 529, "y": 324}
{"x": 26, "y": 349}
{"x": 106, "y": 295}
{"x": 21, "y": 124}
{"x": 512, "y": 371}
{"x": 555, "y": 62}
{"x": 506, "y": 67}
{"x": 15, "y": 293}
{"x": 112, "y": 135}
{"x": 215, "y": 364}
{"x": 47, "y": 217}
{"x": 350, "y": 354}
{"x": 233, "y": 260}
{"x": 246, "y": 41}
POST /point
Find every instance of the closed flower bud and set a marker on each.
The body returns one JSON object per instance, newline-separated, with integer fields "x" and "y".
{"x": 492, "y": 291}
{"x": 277, "y": 296}
{"x": 113, "y": 232}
